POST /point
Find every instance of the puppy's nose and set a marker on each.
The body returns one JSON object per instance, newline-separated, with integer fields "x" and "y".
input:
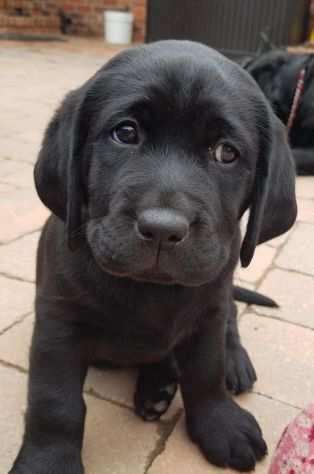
{"x": 164, "y": 226}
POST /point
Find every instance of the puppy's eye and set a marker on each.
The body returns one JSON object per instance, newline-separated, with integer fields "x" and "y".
{"x": 125, "y": 133}
{"x": 224, "y": 153}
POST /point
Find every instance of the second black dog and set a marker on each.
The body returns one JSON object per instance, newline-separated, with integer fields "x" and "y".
{"x": 277, "y": 73}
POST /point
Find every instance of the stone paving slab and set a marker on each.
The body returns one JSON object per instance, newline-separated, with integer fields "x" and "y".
{"x": 298, "y": 253}
{"x": 18, "y": 259}
{"x": 306, "y": 210}
{"x": 21, "y": 212}
{"x": 262, "y": 259}
{"x": 282, "y": 355}
{"x": 11, "y": 172}
{"x": 16, "y": 149}
{"x": 16, "y": 300}
{"x": 279, "y": 241}
{"x": 117, "y": 441}
{"x": 119, "y": 386}
{"x": 15, "y": 343}
{"x": 293, "y": 292}
{"x": 305, "y": 187}
{"x": 13, "y": 404}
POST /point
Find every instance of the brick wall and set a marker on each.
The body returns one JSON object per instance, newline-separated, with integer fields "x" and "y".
{"x": 29, "y": 16}
{"x": 45, "y": 7}
{"x": 86, "y": 15}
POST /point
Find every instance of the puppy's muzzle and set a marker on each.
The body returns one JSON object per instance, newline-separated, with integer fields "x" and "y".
{"x": 162, "y": 227}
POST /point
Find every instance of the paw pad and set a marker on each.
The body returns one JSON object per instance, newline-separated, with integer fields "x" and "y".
{"x": 152, "y": 404}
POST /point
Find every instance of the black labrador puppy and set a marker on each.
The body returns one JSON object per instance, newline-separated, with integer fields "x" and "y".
{"x": 148, "y": 168}
{"x": 277, "y": 73}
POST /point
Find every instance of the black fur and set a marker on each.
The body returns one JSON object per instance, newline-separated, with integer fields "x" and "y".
{"x": 252, "y": 297}
{"x": 119, "y": 296}
{"x": 277, "y": 73}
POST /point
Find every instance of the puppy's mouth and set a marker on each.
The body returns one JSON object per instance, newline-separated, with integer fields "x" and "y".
{"x": 154, "y": 276}
{"x": 132, "y": 260}
{"x": 146, "y": 276}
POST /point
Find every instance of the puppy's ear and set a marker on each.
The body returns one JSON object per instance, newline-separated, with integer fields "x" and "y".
{"x": 58, "y": 175}
{"x": 273, "y": 206}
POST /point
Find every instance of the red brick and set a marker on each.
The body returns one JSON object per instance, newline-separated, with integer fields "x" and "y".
{"x": 86, "y": 15}
{"x": 139, "y": 14}
{"x": 85, "y": 8}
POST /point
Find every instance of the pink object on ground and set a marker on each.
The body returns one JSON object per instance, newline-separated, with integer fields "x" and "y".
{"x": 295, "y": 450}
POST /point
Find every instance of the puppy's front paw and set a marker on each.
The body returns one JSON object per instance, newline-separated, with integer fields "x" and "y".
{"x": 56, "y": 459}
{"x": 227, "y": 435}
{"x": 241, "y": 374}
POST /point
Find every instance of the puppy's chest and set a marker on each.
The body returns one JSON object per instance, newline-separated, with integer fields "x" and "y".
{"x": 134, "y": 341}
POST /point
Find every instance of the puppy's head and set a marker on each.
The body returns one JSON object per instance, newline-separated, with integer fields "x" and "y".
{"x": 158, "y": 155}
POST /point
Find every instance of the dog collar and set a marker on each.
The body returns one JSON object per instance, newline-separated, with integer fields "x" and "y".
{"x": 297, "y": 95}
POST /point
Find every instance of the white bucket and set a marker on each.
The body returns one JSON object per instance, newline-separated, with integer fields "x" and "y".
{"x": 118, "y": 27}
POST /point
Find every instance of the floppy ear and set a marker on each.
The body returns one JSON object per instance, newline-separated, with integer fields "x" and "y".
{"x": 57, "y": 172}
{"x": 273, "y": 207}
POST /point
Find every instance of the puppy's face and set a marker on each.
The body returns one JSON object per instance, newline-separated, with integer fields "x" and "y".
{"x": 173, "y": 149}
{"x": 163, "y": 150}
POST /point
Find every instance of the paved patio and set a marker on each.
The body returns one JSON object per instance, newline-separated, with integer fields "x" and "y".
{"x": 33, "y": 80}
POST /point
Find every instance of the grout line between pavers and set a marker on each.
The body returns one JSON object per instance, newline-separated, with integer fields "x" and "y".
{"x": 19, "y": 160}
{"x": 163, "y": 424}
{"x": 30, "y": 232}
{"x": 16, "y": 322}
{"x": 165, "y": 429}
{"x": 90, "y": 391}
{"x": 93, "y": 393}
{"x": 275, "y": 265}
{"x": 240, "y": 314}
{"x": 272, "y": 266}
{"x": 291, "y": 270}
{"x": 302, "y": 221}
{"x": 242, "y": 280}
{"x": 16, "y": 187}
{"x": 11, "y": 185}
{"x": 257, "y": 312}
{"x": 15, "y": 277}
{"x": 277, "y": 250}
{"x": 307, "y": 199}
{"x": 9, "y": 365}
{"x": 269, "y": 397}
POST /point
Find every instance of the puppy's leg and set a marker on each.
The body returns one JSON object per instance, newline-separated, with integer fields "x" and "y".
{"x": 240, "y": 373}
{"x": 155, "y": 389}
{"x": 226, "y": 434}
{"x": 55, "y": 416}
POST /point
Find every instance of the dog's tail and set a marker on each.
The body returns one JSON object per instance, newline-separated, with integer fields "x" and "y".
{"x": 253, "y": 297}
